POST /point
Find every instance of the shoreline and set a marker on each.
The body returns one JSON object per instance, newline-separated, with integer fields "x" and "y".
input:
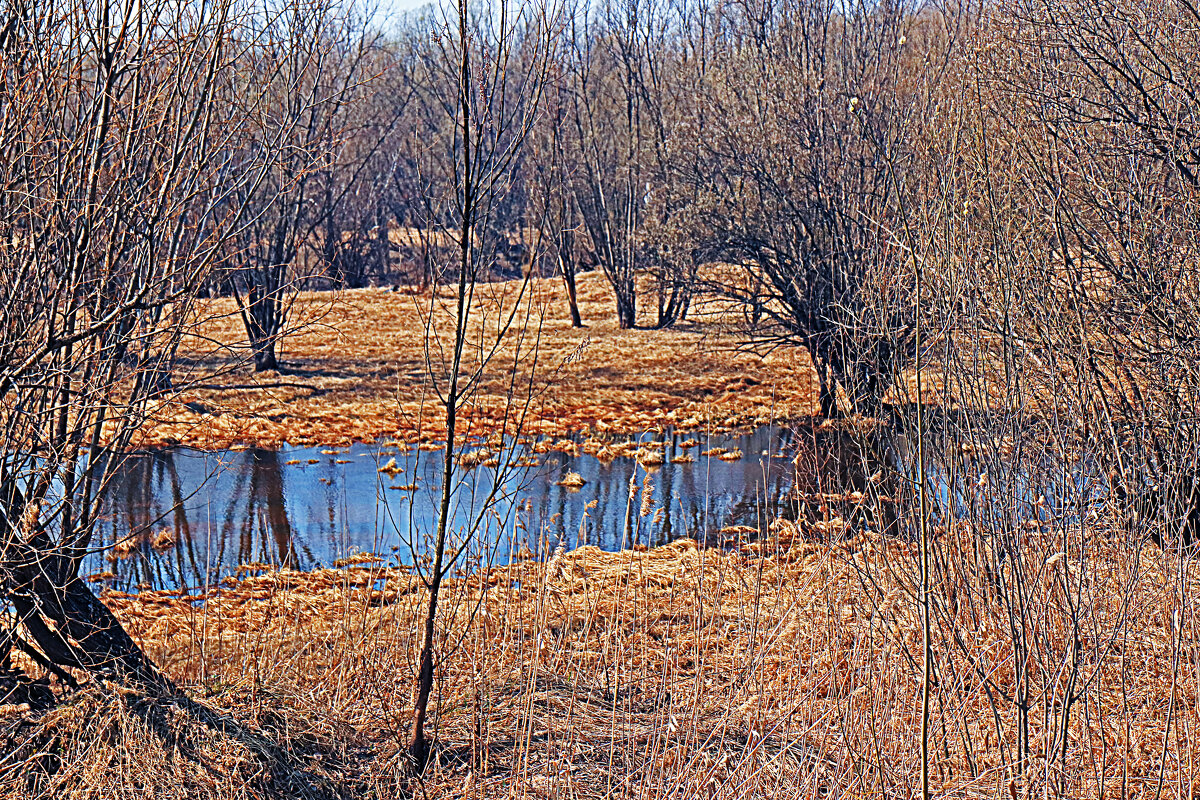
{"x": 356, "y": 372}
{"x": 678, "y": 666}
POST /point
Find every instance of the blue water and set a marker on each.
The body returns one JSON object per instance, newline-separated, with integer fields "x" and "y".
{"x": 305, "y": 508}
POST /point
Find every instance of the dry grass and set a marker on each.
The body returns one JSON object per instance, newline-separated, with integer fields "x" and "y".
{"x": 782, "y": 670}
{"x": 357, "y": 371}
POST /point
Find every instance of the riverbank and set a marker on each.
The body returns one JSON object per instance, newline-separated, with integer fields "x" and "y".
{"x": 356, "y": 369}
{"x": 787, "y": 668}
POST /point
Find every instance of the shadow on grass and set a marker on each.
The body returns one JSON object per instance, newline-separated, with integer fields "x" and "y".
{"x": 106, "y": 743}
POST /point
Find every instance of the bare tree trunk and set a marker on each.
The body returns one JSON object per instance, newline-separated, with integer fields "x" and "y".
{"x": 568, "y": 275}
{"x": 566, "y": 265}
{"x": 491, "y": 119}
{"x": 419, "y": 744}
{"x": 626, "y": 299}
{"x": 261, "y": 317}
{"x": 85, "y": 634}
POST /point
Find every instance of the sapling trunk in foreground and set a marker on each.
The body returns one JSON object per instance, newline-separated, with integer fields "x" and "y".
{"x": 483, "y": 72}
{"x": 419, "y": 745}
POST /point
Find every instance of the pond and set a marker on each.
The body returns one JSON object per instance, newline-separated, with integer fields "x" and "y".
{"x": 186, "y": 519}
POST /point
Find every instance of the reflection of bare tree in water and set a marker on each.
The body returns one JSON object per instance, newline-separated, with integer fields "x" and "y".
{"x": 260, "y": 492}
{"x": 691, "y": 494}
{"x": 151, "y": 500}
{"x": 856, "y": 475}
{"x": 212, "y": 514}
{"x": 162, "y": 547}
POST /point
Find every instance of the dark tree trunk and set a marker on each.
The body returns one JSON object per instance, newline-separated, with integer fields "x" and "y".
{"x": 264, "y": 356}
{"x": 673, "y": 298}
{"x": 827, "y": 384}
{"x": 418, "y": 746}
{"x": 263, "y": 321}
{"x": 381, "y": 248}
{"x": 626, "y": 310}
{"x": 568, "y": 273}
{"x": 73, "y": 629}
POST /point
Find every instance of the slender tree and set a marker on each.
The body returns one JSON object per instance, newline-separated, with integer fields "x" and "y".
{"x": 306, "y": 77}
{"x": 497, "y": 65}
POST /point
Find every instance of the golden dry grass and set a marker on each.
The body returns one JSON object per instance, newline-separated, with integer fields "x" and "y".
{"x": 783, "y": 670}
{"x": 357, "y": 371}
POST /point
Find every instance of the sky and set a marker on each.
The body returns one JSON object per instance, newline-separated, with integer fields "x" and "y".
{"x": 399, "y": 6}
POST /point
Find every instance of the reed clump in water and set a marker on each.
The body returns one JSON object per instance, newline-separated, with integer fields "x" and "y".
{"x": 572, "y": 481}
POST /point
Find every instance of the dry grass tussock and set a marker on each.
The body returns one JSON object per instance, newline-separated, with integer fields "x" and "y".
{"x": 786, "y": 669}
{"x": 357, "y": 371}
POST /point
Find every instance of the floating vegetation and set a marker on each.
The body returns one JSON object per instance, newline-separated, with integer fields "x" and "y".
{"x": 474, "y": 458}
{"x": 650, "y": 458}
{"x": 605, "y": 454}
{"x": 391, "y": 467}
{"x": 359, "y": 559}
{"x": 124, "y": 548}
{"x": 165, "y": 540}
{"x": 731, "y": 455}
{"x": 573, "y": 481}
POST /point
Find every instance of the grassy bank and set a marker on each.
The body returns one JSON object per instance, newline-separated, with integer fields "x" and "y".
{"x": 357, "y": 370}
{"x": 782, "y": 669}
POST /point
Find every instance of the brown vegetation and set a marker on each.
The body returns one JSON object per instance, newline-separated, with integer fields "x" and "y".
{"x": 357, "y": 372}
{"x": 777, "y": 671}
{"x": 994, "y": 207}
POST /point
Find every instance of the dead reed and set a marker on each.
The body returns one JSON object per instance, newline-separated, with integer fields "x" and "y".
{"x": 357, "y": 371}
{"x": 783, "y": 669}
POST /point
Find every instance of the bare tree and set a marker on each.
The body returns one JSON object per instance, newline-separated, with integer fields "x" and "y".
{"x": 801, "y": 173}
{"x": 352, "y": 215}
{"x": 552, "y": 200}
{"x": 612, "y": 52}
{"x": 308, "y": 69}
{"x": 1103, "y": 117}
{"x": 119, "y": 195}
{"x": 496, "y": 64}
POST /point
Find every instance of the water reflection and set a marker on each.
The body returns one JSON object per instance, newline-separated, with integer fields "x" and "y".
{"x": 186, "y": 519}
